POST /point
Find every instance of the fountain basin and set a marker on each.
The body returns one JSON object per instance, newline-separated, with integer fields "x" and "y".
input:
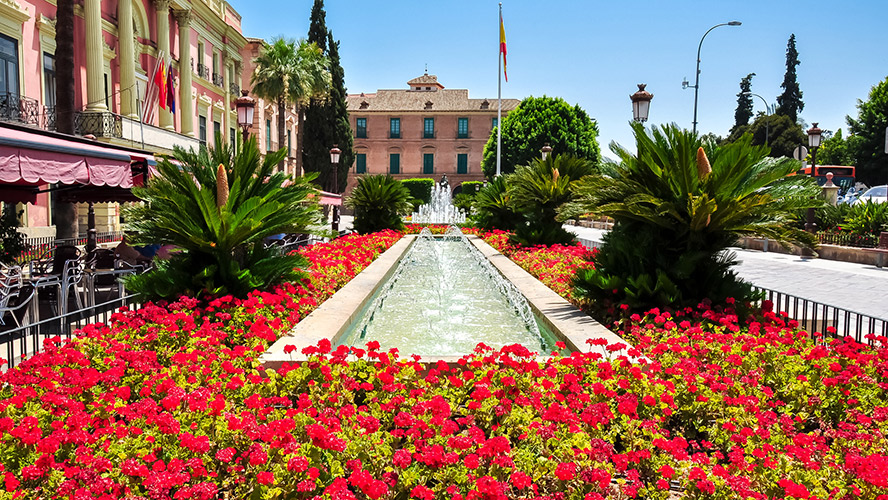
{"x": 332, "y": 319}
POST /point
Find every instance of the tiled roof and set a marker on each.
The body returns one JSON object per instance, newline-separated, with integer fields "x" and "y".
{"x": 410, "y": 100}
{"x": 425, "y": 80}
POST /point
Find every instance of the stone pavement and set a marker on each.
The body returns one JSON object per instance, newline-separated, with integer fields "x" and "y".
{"x": 856, "y": 287}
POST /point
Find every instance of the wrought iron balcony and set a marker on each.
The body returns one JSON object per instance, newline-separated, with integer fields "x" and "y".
{"x": 234, "y": 89}
{"x": 217, "y": 79}
{"x": 20, "y": 109}
{"x": 99, "y": 124}
{"x": 203, "y": 71}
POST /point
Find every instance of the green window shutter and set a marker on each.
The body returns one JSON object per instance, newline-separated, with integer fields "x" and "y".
{"x": 493, "y": 123}
{"x": 428, "y": 163}
{"x": 361, "y": 163}
{"x": 428, "y": 131}
{"x": 462, "y": 163}
{"x": 394, "y": 163}
{"x": 361, "y": 128}
{"x": 462, "y": 129}
{"x": 395, "y": 128}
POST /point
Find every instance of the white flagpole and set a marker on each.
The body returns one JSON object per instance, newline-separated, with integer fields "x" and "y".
{"x": 499, "y": 95}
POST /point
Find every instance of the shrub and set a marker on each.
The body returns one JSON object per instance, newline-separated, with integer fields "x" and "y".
{"x": 379, "y": 201}
{"x": 217, "y": 207}
{"x": 867, "y": 218}
{"x": 492, "y": 207}
{"x": 538, "y": 190}
{"x": 420, "y": 191}
{"x": 676, "y": 213}
{"x": 830, "y": 217}
{"x": 12, "y": 242}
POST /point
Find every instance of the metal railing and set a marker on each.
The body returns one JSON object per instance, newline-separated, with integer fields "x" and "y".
{"x": 217, "y": 79}
{"x": 814, "y": 316}
{"x": 98, "y": 123}
{"x": 20, "y": 109}
{"x": 44, "y": 245}
{"x": 234, "y": 89}
{"x": 25, "y": 341}
{"x": 848, "y": 240}
{"x": 203, "y": 71}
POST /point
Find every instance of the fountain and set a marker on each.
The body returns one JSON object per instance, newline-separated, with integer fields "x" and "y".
{"x": 443, "y": 298}
{"x": 440, "y": 209}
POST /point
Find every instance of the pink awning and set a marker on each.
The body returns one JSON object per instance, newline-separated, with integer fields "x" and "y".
{"x": 33, "y": 158}
{"x": 330, "y": 199}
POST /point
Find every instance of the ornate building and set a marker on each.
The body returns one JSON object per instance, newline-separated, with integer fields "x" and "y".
{"x": 422, "y": 131}
{"x": 117, "y": 44}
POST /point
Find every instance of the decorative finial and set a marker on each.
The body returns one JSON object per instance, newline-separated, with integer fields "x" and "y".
{"x": 427, "y": 68}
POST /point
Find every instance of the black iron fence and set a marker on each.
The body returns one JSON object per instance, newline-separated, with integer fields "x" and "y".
{"x": 25, "y": 341}
{"x": 98, "y": 123}
{"x": 44, "y": 245}
{"x": 848, "y": 240}
{"x": 831, "y": 321}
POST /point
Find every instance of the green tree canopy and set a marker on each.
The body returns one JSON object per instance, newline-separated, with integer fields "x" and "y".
{"x": 834, "y": 150}
{"x": 744, "y": 103}
{"x": 535, "y": 122}
{"x": 782, "y": 133}
{"x": 789, "y": 103}
{"x": 867, "y": 143}
{"x": 288, "y": 73}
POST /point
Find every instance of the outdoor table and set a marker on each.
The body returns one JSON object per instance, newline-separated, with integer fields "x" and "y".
{"x": 89, "y": 282}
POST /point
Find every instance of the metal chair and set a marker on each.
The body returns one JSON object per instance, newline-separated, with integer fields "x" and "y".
{"x": 72, "y": 276}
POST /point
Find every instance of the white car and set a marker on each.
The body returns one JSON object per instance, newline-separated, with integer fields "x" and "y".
{"x": 876, "y": 194}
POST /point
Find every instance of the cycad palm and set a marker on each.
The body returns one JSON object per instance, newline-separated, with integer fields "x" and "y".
{"x": 287, "y": 73}
{"x": 379, "y": 201}
{"x": 493, "y": 209}
{"x": 675, "y": 217}
{"x": 538, "y": 190}
{"x": 220, "y": 238}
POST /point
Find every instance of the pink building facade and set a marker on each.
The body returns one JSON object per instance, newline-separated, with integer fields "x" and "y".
{"x": 424, "y": 131}
{"x": 117, "y": 46}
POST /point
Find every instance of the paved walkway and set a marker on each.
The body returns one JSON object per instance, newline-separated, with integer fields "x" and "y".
{"x": 856, "y": 287}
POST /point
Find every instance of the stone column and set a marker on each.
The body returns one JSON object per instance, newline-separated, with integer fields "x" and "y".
{"x": 95, "y": 62}
{"x": 127, "y": 59}
{"x": 185, "y": 106}
{"x": 163, "y": 45}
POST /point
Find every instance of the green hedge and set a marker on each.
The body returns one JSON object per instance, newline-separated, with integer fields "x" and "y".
{"x": 420, "y": 190}
{"x": 471, "y": 188}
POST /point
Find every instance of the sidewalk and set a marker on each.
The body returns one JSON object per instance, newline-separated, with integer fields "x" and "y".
{"x": 856, "y": 287}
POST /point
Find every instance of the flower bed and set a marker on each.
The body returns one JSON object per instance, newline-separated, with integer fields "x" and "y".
{"x": 166, "y": 403}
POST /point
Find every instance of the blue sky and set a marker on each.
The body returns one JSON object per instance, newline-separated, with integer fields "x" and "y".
{"x": 593, "y": 53}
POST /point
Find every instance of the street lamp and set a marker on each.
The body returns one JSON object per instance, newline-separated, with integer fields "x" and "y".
{"x": 641, "y": 103}
{"x": 696, "y": 85}
{"x": 814, "y": 137}
{"x": 546, "y": 151}
{"x": 245, "y": 106}
{"x": 334, "y": 159}
{"x": 767, "y": 113}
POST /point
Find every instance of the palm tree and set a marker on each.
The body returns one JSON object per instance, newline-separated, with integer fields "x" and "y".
{"x": 678, "y": 204}
{"x": 287, "y": 73}
{"x": 217, "y": 207}
{"x": 538, "y": 190}
{"x": 379, "y": 201}
{"x": 492, "y": 206}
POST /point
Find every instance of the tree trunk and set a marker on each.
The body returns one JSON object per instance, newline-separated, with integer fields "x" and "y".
{"x": 300, "y": 120}
{"x": 65, "y": 213}
{"x": 282, "y": 130}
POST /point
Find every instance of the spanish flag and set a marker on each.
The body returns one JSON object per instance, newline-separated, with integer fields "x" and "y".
{"x": 503, "y": 44}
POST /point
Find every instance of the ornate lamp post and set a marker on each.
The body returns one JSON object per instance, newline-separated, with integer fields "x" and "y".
{"x": 696, "y": 85}
{"x": 641, "y": 103}
{"x": 546, "y": 151}
{"x": 334, "y": 159}
{"x": 814, "y": 137}
{"x": 245, "y": 105}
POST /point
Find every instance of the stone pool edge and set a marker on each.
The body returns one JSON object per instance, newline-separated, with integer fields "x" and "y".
{"x": 565, "y": 320}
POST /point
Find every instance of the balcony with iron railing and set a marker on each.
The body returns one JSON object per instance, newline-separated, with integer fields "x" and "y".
{"x": 20, "y": 109}
{"x": 203, "y": 71}
{"x": 234, "y": 89}
{"x": 217, "y": 80}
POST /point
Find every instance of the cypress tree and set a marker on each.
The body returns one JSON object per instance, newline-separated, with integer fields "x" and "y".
{"x": 326, "y": 121}
{"x": 789, "y": 103}
{"x": 744, "y": 103}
